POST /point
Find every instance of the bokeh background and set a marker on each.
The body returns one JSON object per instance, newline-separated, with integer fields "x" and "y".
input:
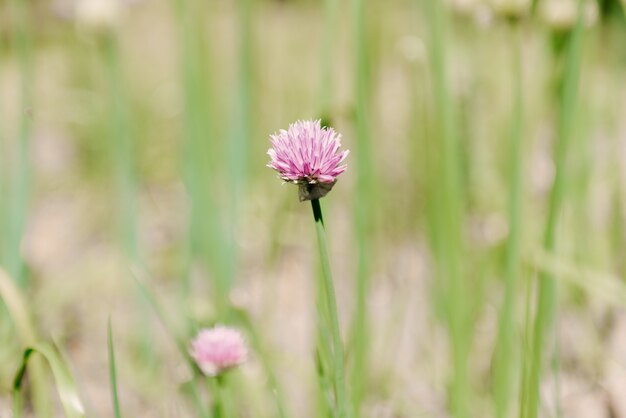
{"x": 133, "y": 137}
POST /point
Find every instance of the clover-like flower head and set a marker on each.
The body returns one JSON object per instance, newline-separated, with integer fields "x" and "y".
{"x": 308, "y": 155}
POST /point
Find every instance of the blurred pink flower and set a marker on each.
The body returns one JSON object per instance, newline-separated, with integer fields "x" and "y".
{"x": 308, "y": 154}
{"x": 218, "y": 349}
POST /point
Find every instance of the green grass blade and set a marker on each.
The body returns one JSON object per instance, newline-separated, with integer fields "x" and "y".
{"x": 505, "y": 356}
{"x": 447, "y": 211}
{"x": 325, "y": 385}
{"x": 178, "y": 339}
{"x": 19, "y": 176}
{"x": 326, "y": 83}
{"x": 546, "y": 303}
{"x": 113, "y": 372}
{"x": 365, "y": 193}
{"x": 240, "y": 142}
{"x": 18, "y": 310}
{"x": 200, "y": 146}
{"x": 65, "y": 384}
{"x": 121, "y": 138}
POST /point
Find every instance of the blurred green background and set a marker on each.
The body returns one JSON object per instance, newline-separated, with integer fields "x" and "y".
{"x": 477, "y": 237}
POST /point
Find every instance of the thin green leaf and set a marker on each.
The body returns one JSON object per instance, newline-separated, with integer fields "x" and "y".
{"x": 16, "y": 306}
{"x": 66, "y": 386}
{"x": 22, "y": 321}
{"x": 113, "y": 372}
{"x": 547, "y": 292}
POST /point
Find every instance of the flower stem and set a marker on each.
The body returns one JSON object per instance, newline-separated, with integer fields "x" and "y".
{"x": 329, "y": 291}
{"x": 217, "y": 387}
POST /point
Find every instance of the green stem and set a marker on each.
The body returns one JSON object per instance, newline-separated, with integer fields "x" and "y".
{"x": 447, "y": 213}
{"x": 123, "y": 149}
{"x": 113, "y": 373}
{"x": 205, "y": 231}
{"x": 546, "y": 303}
{"x": 20, "y": 169}
{"x": 217, "y": 386}
{"x": 329, "y": 290}
{"x": 324, "y": 348}
{"x": 17, "y": 192}
{"x": 363, "y": 214}
{"x": 505, "y": 353}
{"x": 326, "y": 84}
{"x": 242, "y": 132}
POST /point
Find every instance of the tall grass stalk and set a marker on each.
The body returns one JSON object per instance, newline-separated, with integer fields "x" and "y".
{"x": 330, "y": 34}
{"x": 506, "y": 359}
{"x": 447, "y": 212}
{"x": 205, "y": 233}
{"x": 19, "y": 173}
{"x": 18, "y": 181}
{"x": 570, "y": 53}
{"x": 325, "y": 97}
{"x": 113, "y": 372}
{"x": 17, "y": 308}
{"x": 121, "y": 136}
{"x": 338, "y": 371}
{"x": 242, "y": 133}
{"x": 363, "y": 213}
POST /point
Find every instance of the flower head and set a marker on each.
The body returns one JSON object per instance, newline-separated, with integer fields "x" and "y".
{"x": 308, "y": 155}
{"x": 218, "y": 349}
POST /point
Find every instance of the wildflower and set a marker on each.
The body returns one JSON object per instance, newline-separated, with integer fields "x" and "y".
{"x": 308, "y": 155}
{"x": 218, "y": 349}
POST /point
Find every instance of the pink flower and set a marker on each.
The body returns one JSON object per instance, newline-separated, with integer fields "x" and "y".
{"x": 308, "y": 154}
{"x": 218, "y": 349}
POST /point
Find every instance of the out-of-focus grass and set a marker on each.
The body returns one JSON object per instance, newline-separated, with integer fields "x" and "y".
{"x": 568, "y": 55}
{"x": 447, "y": 200}
{"x": 430, "y": 113}
{"x": 506, "y": 352}
{"x": 365, "y": 194}
{"x": 122, "y": 147}
{"x": 64, "y": 382}
{"x": 19, "y": 167}
{"x": 205, "y": 229}
{"x": 113, "y": 372}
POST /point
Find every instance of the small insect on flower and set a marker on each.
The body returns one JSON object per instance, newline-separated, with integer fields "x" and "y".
{"x": 218, "y": 349}
{"x": 308, "y": 155}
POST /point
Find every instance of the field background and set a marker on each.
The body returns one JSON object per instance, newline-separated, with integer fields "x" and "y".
{"x": 133, "y": 137}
